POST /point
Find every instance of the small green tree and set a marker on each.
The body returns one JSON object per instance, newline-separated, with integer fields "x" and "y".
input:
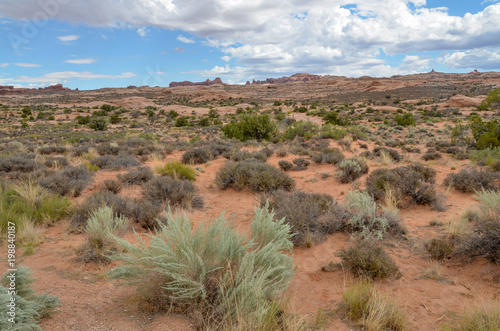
{"x": 98, "y": 124}
{"x": 251, "y": 126}
{"x": 406, "y": 119}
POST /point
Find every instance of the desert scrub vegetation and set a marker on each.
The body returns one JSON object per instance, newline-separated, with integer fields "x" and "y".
{"x": 174, "y": 192}
{"x": 366, "y": 307}
{"x": 230, "y": 281}
{"x": 70, "y": 181}
{"x": 30, "y": 308}
{"x": 367, "y": 221}
{"x": 413, "y": 184}
{"x": 81, "y": 213}
{"x": 484, "y": 239}
{"x": 310, "y": 215}
{"x": 470, "y": 180}
{"x": 367, "y": 259}
{"x": 115, "y": 162}
{"x": 251, "y": 126}
{"x": 350, "y": 170}
{"x": 259, "y": 176}
{"x": 27, "y": 204}
{"x": 486, "y": 317}
{"x": 139, "y": 175}
{"x": 101, "y": 226}
{"x": 198, "y": 155}
{"x": 177, "y": 170}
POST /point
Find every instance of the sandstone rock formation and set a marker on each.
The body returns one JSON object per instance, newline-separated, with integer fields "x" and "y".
{"x": 188, "y": 83}
{"x": 300, "y": 77}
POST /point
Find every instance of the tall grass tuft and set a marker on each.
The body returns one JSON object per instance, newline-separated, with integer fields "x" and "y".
{"x": 230, "y": 280}
{"x": 177, "y": 170}
{"x": 372, "y": 310}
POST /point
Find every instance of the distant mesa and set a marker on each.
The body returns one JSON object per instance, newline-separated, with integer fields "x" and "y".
{"x": 12, "y": 90}
{"x": 300, "y": 77}
{"x": 188, "y": 83}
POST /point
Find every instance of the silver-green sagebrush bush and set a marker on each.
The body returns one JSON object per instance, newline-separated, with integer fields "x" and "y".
{"x": 30, "y": 308}
{"x": 231, "y": 280}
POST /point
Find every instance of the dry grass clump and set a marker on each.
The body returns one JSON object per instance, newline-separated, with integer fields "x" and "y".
{"x": 310, "y": 215}
{"x": 471, "y": 180}
{"x": 259, "y": 176}
{"x": 440, "y": 248}
{"x": 367, "y": 259}
{"x": 482, "y": 318}
{"x": 223, "y": 280}
{"x": 371, "y": 310}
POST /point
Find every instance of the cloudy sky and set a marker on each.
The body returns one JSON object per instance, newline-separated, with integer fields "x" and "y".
{"x": 114, "y": 43}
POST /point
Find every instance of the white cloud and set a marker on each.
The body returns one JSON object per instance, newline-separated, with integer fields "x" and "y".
{"x": 68, "y": 38}
{"x": 473, "y": 59}
{"x": 270, "y": 38}
{"x": 27, "y": 65}
{"x": 81, "y": 61}
{"x": 62, "y": 77}
{"x": 226, "y": 58}
{"x": 185, "y": 40}
{"x": 180, "y": 49}
{"x": 4, "y": 65}
{"x": 142, "y": 31}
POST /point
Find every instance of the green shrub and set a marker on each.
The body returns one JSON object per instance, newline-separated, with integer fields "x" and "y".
{"x": 211, "y": 271}
{"x": 98, "y": 124}
{"x": 367, "y": 259}
{"x": 332, "y": 132}
{"x": 177, "y": 170}
{"x": 260, "y": 177}
{"x": 305, "y": 129}
{"x": 251, "y": 126}
{"x": 101, "y": 226}
{"x": 30, "y": 308}
{"x": 332, "y": 117}
{"x": 182, "y": 121}
{"x": 371, "y": 310}
{"x": 406, "y": 119}
{"x": 492, "y": 101}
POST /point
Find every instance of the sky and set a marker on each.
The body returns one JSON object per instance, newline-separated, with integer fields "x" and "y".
{"x": 90, "y": 44}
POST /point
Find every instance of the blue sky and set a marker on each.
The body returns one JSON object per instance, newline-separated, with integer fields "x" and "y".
{"x": 89, "y": 44}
